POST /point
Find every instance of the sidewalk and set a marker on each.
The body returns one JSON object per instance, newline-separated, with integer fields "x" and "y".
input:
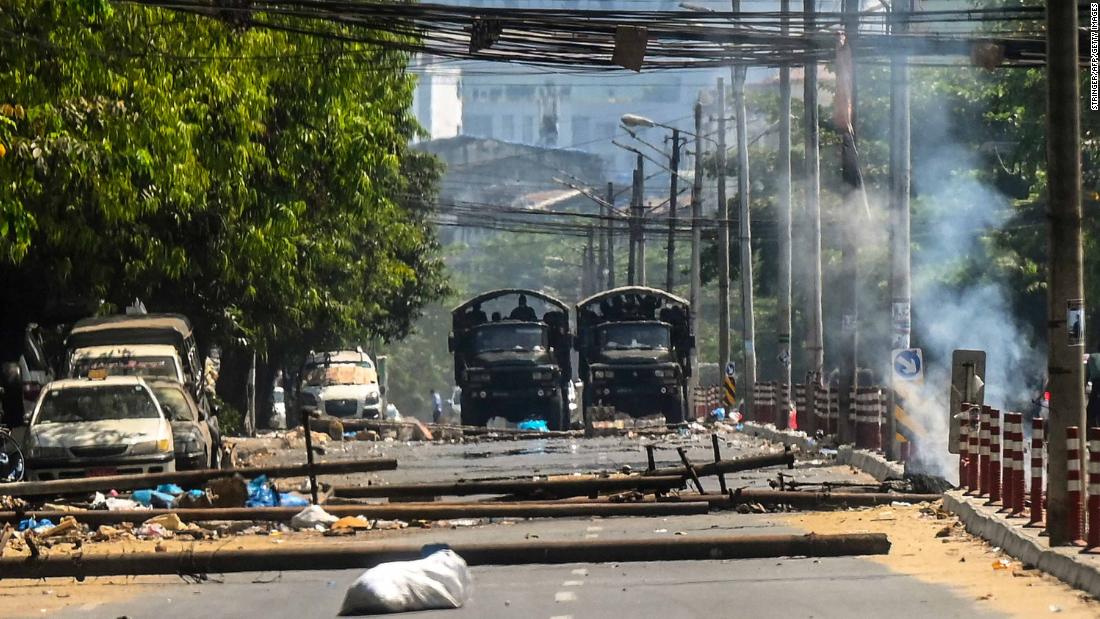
{"x": 1069, "y": 564}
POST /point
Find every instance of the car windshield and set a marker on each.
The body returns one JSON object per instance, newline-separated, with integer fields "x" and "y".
{"x": 319, "y": 375}
{"x": 152, "y": 366}
{"x": 501, "y": 337}
{"x": 645, "y": 336}
{"x": 174, "y": 402}
{"x": 99, "y": 403}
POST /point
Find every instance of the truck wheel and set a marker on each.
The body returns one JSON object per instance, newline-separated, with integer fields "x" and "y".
{"x": 556, "y": 414}
{"x": 674, "y": 411}
{"x": 471, "y": 416}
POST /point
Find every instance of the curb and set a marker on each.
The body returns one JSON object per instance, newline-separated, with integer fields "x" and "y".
{"x": 1025, "y": 544}
{"x": 869, "y": 462}
{"x": 786, "y": 437}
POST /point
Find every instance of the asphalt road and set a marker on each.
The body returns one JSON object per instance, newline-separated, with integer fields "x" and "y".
{"x": 834, "y": 587}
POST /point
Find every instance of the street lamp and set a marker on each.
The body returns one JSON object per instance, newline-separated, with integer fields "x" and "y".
{"x": 634, "y": 120}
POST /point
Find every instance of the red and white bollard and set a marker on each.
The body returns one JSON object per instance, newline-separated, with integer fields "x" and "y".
{"x": 983, "y": 452}
{"x": 994, "y": 456}
{"x": 1036, "y": 470}
{"x": 1073, "y": 481}
{"x": 964, "y": 443}
{"x": 1094, "y": 487}
{"x": 1019, "y": 486}
{"x": 973, "y": 469}
{"x": 1009, "y": 460}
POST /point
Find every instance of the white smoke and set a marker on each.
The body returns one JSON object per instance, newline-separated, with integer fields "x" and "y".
{"x": 958, "y": 300}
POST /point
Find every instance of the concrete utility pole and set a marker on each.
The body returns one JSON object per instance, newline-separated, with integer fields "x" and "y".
{"x": 674, "y": 163}
{"x": 1065, "y": 340}
{"x": 744, "y": 220}
{"x": 640, "y": 260}
{"x": 610, "y": 235}
{"x": 849, "y": 252}
{"x": 900, "y": 170}
{"x": 696, "y": 237}
{"x": 590, "y": 262}
{"x": 815, "y": 343}
{"x": 783, "y": 313}
{"x": 632, "y": 226}
{"x": 723, "y": 237}
{"x": 601, "y": 241}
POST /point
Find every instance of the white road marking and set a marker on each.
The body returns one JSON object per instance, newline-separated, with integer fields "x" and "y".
{"x": 591, "y": 535}
{"x": 572, "y": 583}
{"x": 565, "y": 596}
{"x": 562, "y": 617}
{"x": 594, "y": 529}
{"x": 580, "y": 571}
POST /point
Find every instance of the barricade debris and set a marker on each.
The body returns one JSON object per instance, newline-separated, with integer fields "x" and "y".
{"x": 312, "y": 517}
{"x": 440, "y": 580}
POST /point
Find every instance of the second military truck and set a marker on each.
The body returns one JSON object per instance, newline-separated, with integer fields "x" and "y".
{"x": 511, "y": 353}
{"x": 635, "y": 351}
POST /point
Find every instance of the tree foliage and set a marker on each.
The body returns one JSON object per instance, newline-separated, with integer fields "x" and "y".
{"x": 258, "y": 181}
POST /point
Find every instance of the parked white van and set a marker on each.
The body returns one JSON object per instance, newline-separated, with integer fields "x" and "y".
{"x": 342, "y": 383}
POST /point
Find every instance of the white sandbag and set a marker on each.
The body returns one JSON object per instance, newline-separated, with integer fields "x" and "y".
{"x": 312, "y": 516}
{"x": 440, "y": 580}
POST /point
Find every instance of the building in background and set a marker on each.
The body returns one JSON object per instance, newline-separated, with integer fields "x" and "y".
{"x": 436, "y": 101}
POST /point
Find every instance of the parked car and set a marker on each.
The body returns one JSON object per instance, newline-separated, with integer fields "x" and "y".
{"x": 150, "y": 360}
{"x": 197, "y": 444}
{"x": 341, "y": 383}
{"x": 108, "y": 425}
{"x": 143, "y": 342}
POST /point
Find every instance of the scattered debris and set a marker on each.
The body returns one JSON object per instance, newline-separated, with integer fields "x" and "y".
{"x": 312, "y": 517}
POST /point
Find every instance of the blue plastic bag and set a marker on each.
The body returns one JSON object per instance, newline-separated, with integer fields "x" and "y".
{"x": 289, "y": 499}
{"x": 260, "y": 493}
{"x": 31, "y": 523}
{"x": 152, "y": 498}
{"x": 534, "y": 425}
{"x": 171, "y": 489}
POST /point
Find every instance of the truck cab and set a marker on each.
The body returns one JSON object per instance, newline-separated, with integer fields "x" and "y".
{"x": 634, "y": 346}
{"x": 511, "y": 354}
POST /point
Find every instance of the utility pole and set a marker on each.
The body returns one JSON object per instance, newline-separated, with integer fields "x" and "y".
{"x": 845, "y": 119}
{"x": 815, "y": 343}
{"x": 783, "y": 317}
{"x": 900, "y": 170}
{"x": 640, "y": 260}
{"x": 610, "y": 236}
{"x": 674, "y": 163}
{"x": 696, "y": 237}
{"x": 1065, "y": 340}
{"x": 601, "y": 241}
{"x": 590, "y": 263}
{"x": 744, "y": 217}
{"x": 632, "y": 226}
{"x": 723, "y": 237}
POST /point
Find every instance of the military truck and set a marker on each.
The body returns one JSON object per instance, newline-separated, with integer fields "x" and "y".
{"x": 512, "y": 352}
{"x": 635, "y": 352}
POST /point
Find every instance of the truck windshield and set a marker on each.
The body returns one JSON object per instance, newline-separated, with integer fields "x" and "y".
{"x": 153, "y": 366}
{"x": 639, "y": 336}
{"x": 97, "y": 404}
{"x": 502, "y": 337}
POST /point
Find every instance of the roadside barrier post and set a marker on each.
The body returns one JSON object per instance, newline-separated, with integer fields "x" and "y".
{"x": 1073, "y": 481}
{"x": 1036, "y": 470}
{"x": 1093, "y": 436}
{"x": 995, "y": 455}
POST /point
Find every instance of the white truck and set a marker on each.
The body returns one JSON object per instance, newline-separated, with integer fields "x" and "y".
{"x": 341, "y": 383}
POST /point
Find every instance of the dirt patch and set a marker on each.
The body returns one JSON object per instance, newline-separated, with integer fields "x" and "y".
{"x": 932, "y": 546}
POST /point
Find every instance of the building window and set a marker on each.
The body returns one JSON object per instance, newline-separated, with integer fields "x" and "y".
{"x": 582, "y": 129}
{"x": 479, "y": 125}
{"x": 528, "y": 129}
